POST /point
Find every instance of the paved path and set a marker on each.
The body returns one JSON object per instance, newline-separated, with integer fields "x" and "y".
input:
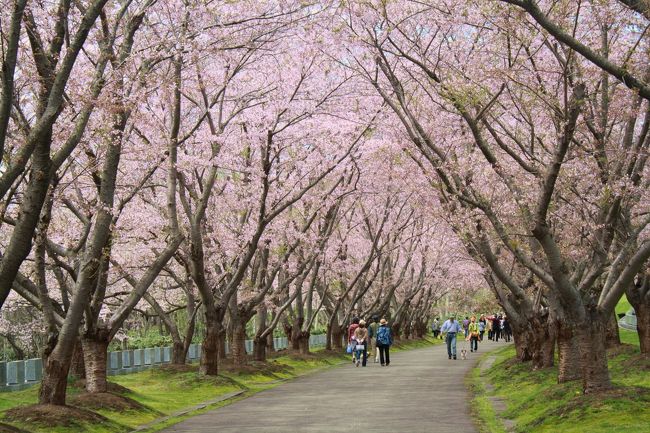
{"x": 421, "y": 391}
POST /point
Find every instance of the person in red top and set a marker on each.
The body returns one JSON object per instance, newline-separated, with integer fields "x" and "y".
{"x": 353, "y": 327}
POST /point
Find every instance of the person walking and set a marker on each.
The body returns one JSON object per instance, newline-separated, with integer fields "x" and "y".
{"x": 465, "y": 326}
{"x": 490, "y": 327}
{"x": 497, "y": 328}
{"x": 384, "y": 341}
{"x": 372, "y": 335}
{"x": 361, "y": 348}
{"x": 481, "y": 327}
{"x": 450, "y": 328}
{"x": 435, "y": 327}
{"x": 507, "y": 329}
{"x": 473, "y": 329}
{"x": 351, "y": 341}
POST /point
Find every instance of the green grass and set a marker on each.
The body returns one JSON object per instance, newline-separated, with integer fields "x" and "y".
{"x": 163, "y": 391}
{"x": 538, "y": 404}
{"x": 627, "y": 336}
{"x": 623, "y": 306}
{"x": 481, "y": 406}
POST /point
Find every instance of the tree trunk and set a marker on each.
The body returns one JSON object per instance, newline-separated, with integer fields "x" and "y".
{"x": 77, "y": 367}
{"x": 643, "y": 326}
{"x": 209, "y": 364}
{"x": 303, "y": 342}
{"x": 593, "y": 350}
{"x": 397, "y": 331}
{"x": 542, "y": 336}
{"x": 296, "y": 334}
{"x": 238, "y": 347}
{"x": 544, "y": 355}
{"x": 259, "y": 349}
{"x": 612, "y": 337}
{"x": 421, "y": 329}
{"x": 270, "y": 343}
{"x": 55, "y": 380}
{"x": 221, "y": 344}
{"x": 524, "y": 340}
{"x": 639, "y": 296}
{"x": 568, "y": 354}
{"x": 179, "y": 352}
{"x": 337, "y": 336}
{"x": 95, "y": 350}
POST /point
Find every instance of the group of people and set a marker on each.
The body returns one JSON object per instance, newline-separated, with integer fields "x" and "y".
{"x": 496, "y": 326}
{"x": 377, "y": 335}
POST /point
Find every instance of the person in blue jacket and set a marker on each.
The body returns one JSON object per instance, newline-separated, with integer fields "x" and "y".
{"x": 450, "y": 328}
{"x": 384, "y": 341}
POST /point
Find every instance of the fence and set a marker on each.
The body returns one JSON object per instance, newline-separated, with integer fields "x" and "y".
{"x": 17, "y": 375}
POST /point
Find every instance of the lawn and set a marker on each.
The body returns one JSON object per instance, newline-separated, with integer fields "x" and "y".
{"x": 163, "y": 391}
{"x": 538, "y": 404}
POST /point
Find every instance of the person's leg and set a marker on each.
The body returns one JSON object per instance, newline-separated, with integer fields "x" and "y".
{"x": 453, "y": 345}
{"x": 381, "y": 354}
{"x": 387, "y": 355}
{"x": 448, "y": 341}
{"x": 474, "y": 344}
{"x": 375, "y": 349}
{"x": 365, "y": 353}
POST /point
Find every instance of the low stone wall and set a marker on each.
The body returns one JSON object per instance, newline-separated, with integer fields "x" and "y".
{"x": 17, "y": 375}
{"x": 628, "y": 321}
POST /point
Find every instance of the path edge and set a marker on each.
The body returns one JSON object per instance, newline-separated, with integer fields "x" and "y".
{"x": 482, "y": 392}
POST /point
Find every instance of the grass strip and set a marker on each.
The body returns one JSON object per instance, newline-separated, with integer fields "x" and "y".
{"x": 538, "y": 404}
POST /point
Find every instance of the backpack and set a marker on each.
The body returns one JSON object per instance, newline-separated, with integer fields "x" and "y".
{"x": 383, "y": 336}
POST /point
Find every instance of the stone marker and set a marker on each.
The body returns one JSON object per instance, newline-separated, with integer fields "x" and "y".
{"x": 148, "y": 356}
{"x": 16, "y": 372}
{"x": 33, "y": 369}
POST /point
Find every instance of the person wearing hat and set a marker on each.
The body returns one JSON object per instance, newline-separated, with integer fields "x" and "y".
{"x": 384, "y": 341}
{"x": 450, "y": 328}
{"x": 361, "y": 337}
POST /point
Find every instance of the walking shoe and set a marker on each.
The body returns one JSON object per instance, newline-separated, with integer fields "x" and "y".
{"x": 454, "y": 356}
{"x": 450, "y": 357}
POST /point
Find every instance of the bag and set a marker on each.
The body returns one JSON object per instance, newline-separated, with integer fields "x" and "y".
{"x": 360, "y": 347}
{"x": 349, "y": 348}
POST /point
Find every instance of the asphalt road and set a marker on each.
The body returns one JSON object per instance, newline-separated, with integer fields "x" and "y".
{"x": 421, "y": 391}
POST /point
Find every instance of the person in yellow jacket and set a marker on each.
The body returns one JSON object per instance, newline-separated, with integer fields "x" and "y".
{"x": 473, "y": 333}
